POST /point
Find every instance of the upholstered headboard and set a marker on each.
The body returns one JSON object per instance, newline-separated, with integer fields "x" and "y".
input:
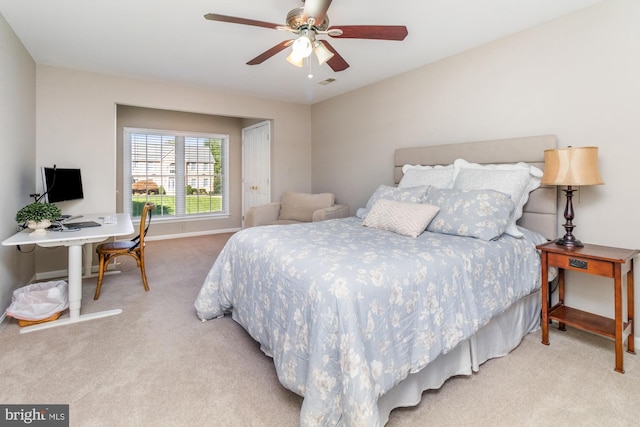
{"x": 541, "y": 211}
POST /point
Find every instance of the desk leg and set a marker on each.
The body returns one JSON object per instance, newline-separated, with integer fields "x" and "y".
{"x": 87, "y": 256}
{"x": 75, "y": 296}
{"x": 75, "y": 281}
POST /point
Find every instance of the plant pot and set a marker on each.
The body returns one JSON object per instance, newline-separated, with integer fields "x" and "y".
{"x": 38, "y": 227}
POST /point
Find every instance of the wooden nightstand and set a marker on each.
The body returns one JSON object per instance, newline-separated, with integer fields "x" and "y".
{"x": 600, "y": 261}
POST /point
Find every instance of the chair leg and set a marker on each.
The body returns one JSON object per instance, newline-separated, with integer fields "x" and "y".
{"x": 102, "y": 263}
{"x": 144, "y": 274}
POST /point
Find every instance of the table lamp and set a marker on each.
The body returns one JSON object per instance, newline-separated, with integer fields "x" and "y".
{"x": 571, "y": 166}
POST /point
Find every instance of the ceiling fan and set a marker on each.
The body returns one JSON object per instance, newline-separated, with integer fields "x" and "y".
{"x": 308, "y": 22}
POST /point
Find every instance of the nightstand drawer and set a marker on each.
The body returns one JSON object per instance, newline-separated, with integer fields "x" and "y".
{"x": 586, "y": 265}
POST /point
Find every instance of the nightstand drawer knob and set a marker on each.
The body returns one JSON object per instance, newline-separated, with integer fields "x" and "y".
{"x": 578, "y": 263}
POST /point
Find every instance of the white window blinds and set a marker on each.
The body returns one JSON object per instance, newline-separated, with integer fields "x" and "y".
{"x": 184, "y": 173}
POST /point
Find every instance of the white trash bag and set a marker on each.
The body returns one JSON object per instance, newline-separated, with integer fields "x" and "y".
{"x": 39, "y": 300}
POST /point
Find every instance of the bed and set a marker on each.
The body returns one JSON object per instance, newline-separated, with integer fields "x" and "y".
{"x": 360, "y": 320}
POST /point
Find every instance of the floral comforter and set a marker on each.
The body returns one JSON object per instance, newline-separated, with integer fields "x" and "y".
{"x": 348, "y": 311}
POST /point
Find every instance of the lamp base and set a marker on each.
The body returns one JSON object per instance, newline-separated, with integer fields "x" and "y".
{"x": 569, "y": 242}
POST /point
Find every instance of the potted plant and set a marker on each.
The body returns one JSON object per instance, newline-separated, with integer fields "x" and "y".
{"x": 38, "y": 216}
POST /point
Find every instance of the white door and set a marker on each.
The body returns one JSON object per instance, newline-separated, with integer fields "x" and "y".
{"x": 256, "y": 166}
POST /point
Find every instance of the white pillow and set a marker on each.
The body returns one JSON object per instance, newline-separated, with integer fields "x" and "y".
{"x": 408, "y": 219}
{"x": 515, "y": 179}
{"x": 434, "y": 176}
{"x": 408, "y": 167}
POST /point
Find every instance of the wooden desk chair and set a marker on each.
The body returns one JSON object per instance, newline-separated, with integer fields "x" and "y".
{"x": 134, "y": 248}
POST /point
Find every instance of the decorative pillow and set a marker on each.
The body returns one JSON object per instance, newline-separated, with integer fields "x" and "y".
{"x": 407, "y": 195}
{"x": 408, "y": 219}
{"x": 435, "y": 176}
{"x": 483, "y": 214}
{"x": 517, "y": 180}
{"x": 300, "y": 206}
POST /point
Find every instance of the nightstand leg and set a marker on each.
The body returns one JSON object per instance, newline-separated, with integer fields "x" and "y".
{"x": 561, "y": 325}
{"x": 631, "y": 310}
{"x": 617, "y": 273}
{"x": 545, "y": 300}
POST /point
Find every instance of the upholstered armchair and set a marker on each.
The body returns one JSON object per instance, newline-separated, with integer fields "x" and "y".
{"x": 296, "y": 208}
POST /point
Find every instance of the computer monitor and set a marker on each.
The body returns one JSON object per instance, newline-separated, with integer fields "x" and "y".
{"x": 61, "y": 184}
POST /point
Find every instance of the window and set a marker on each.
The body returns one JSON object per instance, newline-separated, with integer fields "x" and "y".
{"x": 184, "y": 174}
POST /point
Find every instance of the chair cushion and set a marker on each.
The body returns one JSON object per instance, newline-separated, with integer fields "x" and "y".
{"x": 300, "y": 206}
{"x": 119, "y": 246}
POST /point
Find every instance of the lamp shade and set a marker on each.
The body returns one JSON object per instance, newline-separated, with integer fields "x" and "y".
{"x": 322, "y": 52}
{"x": 295, "y": 60}
{"x": 572, "y": 166}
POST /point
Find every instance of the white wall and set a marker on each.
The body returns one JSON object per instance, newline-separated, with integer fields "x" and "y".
{"x": 76, "y": 128}
{"x": 17, "y": 162}
{"x": 76, "y": 125}
{"x": 577, "y": 77}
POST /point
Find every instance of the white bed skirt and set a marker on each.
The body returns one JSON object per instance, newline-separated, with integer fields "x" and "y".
{"x": 499, "y": 337}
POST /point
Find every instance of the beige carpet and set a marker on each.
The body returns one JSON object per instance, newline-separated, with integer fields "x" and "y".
{"x": 156, "y": 364}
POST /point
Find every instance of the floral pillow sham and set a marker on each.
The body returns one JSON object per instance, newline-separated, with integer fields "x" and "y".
{"x": 482, "y": 214}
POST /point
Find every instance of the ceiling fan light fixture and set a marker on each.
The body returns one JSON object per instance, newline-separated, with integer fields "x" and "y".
{"x": 302, "y": 47}
{"x": 322, "y": 52}
{"x": 295, "y": 60}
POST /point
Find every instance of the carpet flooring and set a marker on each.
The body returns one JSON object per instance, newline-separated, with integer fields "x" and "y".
{"x": 156, "y": 364}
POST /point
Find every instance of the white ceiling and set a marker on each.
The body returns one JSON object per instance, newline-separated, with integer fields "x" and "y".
{"x": 170, "y": 40}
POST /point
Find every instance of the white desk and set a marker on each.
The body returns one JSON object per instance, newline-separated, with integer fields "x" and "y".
{"x": 74, "y": 240}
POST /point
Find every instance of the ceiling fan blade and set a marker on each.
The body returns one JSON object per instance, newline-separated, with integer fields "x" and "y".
{"x": 269, "y": 53}
{"x": 243, "y": 21}
{"x": 337, "y": 62}
{"x": 316, "y": 9}
{"x": 377, "y": 32}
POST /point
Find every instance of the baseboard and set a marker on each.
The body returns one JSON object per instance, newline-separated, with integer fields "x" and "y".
{"x": 193, "y": 234}
{"x": 54, "y": 274}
